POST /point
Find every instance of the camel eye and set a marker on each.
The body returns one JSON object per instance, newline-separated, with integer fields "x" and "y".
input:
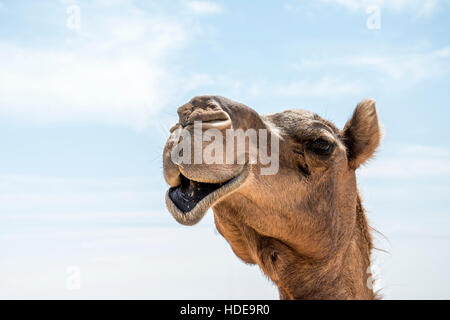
{"x": 322, "y": 147}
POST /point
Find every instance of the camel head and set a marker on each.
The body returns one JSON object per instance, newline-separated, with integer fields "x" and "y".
{"x": 286, "y": 197}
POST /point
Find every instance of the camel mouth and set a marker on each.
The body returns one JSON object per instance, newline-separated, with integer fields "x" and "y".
{"x": 189, "y": 201}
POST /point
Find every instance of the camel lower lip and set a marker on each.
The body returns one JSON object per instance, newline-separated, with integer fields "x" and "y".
{"x": 189, "y": 201}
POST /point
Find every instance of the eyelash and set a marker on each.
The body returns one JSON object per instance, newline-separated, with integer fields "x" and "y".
{"x": 318, "y": 145}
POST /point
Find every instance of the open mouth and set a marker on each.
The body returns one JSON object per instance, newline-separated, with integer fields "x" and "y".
{"x": 190, "y": 192}
{"x": 189, "y": 201}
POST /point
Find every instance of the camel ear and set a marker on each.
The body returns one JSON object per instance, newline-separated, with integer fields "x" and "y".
{"x": 361, "y": 133}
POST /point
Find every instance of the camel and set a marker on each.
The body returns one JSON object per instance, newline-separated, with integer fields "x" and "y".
{"x": 305, "y": 226}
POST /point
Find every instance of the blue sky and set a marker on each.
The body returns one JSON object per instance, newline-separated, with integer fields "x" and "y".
{"x": 85, "y": 111}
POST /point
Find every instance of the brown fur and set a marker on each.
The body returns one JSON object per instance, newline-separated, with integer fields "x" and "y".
{"x": 305, "y": 227}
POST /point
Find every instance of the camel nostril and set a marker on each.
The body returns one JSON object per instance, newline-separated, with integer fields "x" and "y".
{"x": 205, "y": 109}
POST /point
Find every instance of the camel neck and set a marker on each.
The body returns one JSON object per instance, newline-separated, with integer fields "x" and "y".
{"x": 343, "y": 275}
{"x": 337, "y": 268}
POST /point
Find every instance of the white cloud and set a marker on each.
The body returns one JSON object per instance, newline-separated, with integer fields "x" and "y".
{"x": 409, "y": 162}
{"x": 59, "y": 196}
{"x": 418, "y": 7}
{"x": 405, "y": 167}
{"x": 204, "y": 7}
{"x": 46, "y": 85}
{"x": 39, "y": 184}
{"x": 414, "y": 67}
{"x": 327, "y": 85}
{"x": 324, "y": 86}
{"x": 126, "y": 262}
{"x": 410, "y": 68}
{"x": 115, "y": 70}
